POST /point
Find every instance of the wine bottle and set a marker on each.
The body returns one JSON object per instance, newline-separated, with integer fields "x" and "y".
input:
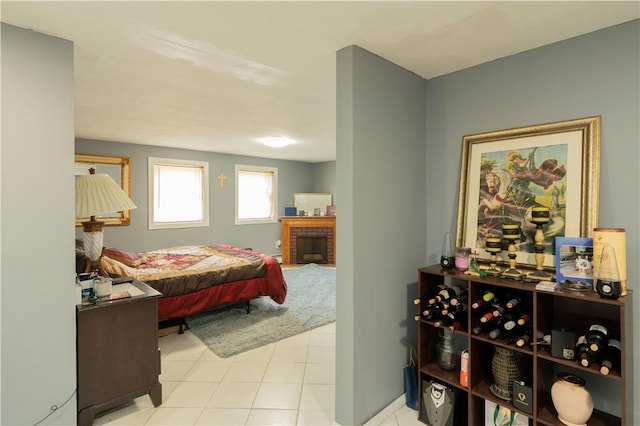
{"x": 487, "y": 297}
{"x": 436, "y": 310}
{"x": 583, "y": 354}
{"x": 597, "y": 337}
{"x": 486, "y": 326}
{"x": 460, "y": 299}
{"x": 524, "y": 319}
{"x": 443, "y": 295}
{"x": 487, "y": 317}
{"x": 523, "y": 340}
{"x": 504, "y": 327}
{"x": 497, "y": 309}
{"x": 452, "y": 320}
{"x": 611, "y": 357}
{"x": 498, "y": 328}
{"x": 495, "y": 333}
{"x": 513, "y": 302}
{"x": 431, "y": 293}
{"x": 509, "y": 324}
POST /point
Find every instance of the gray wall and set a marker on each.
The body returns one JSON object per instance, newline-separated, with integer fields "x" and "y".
{"x": 36, "y": 227}
{"x": 595, "y": 74}
{"x": 380, "y": 169}
{"x": 324, "y": 178}
{"x": 293, "y": 177}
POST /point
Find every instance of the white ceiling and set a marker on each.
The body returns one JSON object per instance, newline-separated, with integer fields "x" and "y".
{"x": 215, "y": 76}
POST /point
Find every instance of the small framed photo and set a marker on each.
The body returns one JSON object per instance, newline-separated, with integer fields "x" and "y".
{"x": 574, "y": 259}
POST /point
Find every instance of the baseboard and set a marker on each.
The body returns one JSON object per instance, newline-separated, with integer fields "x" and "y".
{"x": 387, "y": 411}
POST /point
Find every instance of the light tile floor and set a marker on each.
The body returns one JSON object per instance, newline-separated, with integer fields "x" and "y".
{"x": 290, "y": 382}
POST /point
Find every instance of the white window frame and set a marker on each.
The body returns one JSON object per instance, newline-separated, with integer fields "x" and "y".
{"x": 154, "y": 161}
{"x": 259, "y": 169}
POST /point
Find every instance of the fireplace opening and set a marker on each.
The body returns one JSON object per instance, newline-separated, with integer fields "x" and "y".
{"x": 311, "y": 249}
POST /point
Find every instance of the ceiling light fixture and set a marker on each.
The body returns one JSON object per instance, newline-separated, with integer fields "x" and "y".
{"x": 276, "y": 142}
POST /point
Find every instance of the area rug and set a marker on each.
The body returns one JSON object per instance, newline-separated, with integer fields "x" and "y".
{"x": 310, "y": 303}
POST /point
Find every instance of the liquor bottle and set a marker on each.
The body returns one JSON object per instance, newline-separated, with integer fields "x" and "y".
{"x": 611, "y": 357}
{"x": 584, "y": 355}
{"x": 487, "y": 297}
{"x": 597, "y": 337}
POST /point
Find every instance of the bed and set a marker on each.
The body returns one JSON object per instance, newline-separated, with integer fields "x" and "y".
{"x": 197, "y": 278}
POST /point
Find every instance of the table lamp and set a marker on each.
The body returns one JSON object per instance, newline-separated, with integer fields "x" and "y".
{"x": 97, "y": 194}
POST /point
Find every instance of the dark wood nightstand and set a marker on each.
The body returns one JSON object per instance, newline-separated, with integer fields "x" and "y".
{"x": 118, "y": 358}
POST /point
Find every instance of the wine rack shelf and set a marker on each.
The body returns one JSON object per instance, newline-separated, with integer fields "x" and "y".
{"x": 539, "y": 369}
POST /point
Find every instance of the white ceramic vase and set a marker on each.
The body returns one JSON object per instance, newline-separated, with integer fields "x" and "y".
{"x": 572, "y": 400}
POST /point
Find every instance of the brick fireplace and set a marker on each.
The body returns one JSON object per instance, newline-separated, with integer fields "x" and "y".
{"x": 308, "y": 239}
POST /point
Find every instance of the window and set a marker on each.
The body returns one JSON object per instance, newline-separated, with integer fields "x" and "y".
{"x": 178, "y": 193}
{"x": 256, "y": 194}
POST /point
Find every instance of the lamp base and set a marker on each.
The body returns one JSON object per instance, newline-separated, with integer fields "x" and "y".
{"x": 92, "y": 240}
{"x": 539, "y": 276}
{"x": 92, "y": 265}
{"x": 512, "y": 273}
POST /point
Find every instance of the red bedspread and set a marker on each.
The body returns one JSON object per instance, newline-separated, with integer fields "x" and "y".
{"x": 196, "y": 278}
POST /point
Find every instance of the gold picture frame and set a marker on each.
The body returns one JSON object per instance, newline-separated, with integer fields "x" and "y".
{"x": 504, "y": 173}
{"x": 119, "y": 168}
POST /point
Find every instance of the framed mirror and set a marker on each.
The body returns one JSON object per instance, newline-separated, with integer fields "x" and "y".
{"x": 308, "y": 201}
{"x": 119, "y": 168}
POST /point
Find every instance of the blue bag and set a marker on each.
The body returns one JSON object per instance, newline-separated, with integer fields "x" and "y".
{"x": 411, "y": 381}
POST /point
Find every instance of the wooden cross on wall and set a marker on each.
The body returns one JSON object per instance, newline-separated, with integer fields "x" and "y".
{"x": 221, "y": 178}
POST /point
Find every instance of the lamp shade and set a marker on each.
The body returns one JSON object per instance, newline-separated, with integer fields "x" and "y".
{"x": 97, "y": 194}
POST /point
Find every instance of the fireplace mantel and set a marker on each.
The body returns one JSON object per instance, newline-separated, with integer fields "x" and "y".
{"x": 289, "y": 222}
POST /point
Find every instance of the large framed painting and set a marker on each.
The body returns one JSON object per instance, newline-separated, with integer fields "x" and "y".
{"x": 505, "y": 174}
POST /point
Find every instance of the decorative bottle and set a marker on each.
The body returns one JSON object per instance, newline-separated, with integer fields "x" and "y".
{"x": 446, "y": 355}
{"x": 446, "y": 258}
